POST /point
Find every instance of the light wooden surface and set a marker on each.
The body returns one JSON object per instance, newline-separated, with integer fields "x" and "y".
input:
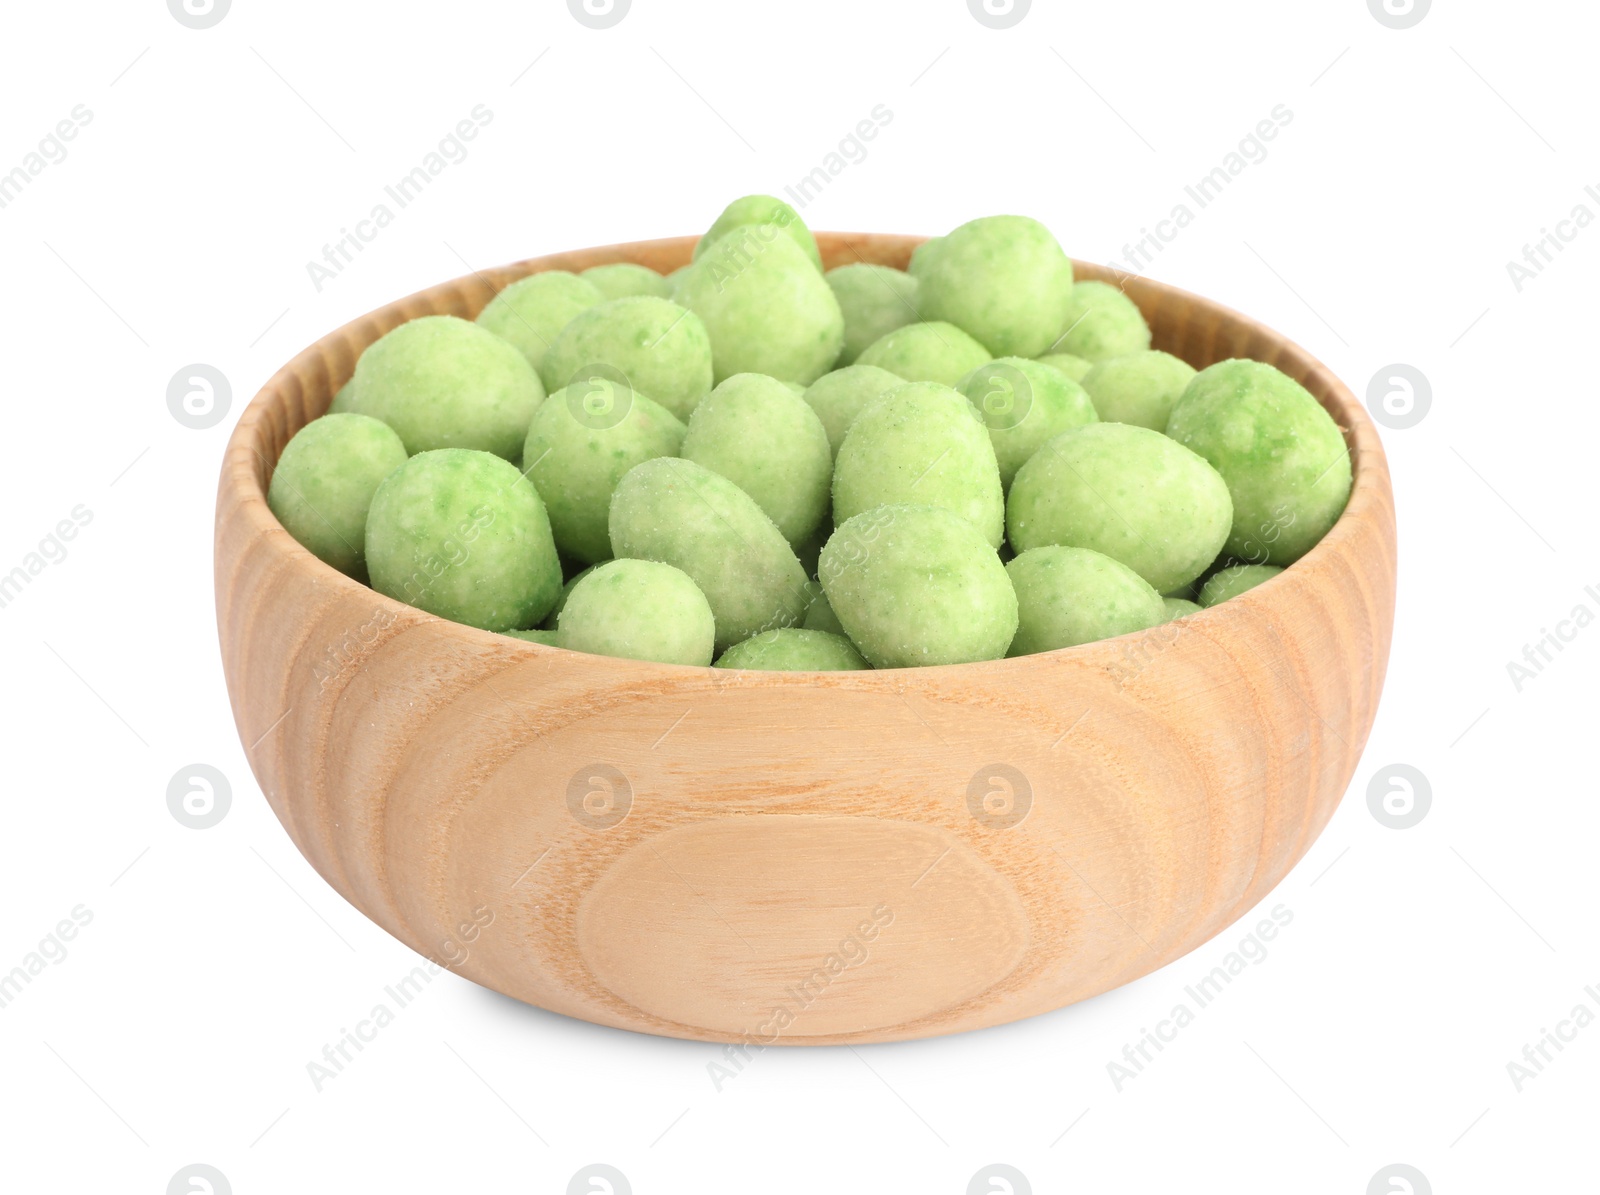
{"x": 803, "y": 842}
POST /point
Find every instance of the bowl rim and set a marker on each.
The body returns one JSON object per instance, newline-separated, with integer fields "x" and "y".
{"x": 246, "y": 468}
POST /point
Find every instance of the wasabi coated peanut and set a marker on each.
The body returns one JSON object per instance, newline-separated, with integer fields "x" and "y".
{"x": 820, "y": 615}
{"x": 579, "y": 448}
{"x": 647, "y": 343}
{"x": 463, "y": 535}
{"x": 915, "y": 585}
{"x": 761, "y": 209}
{"x": 531, "y": 312}
{"x": 1023, "y": 404}
{"x": 1232, "y": 581}
{"x": 931, "y": 352}
{"x": 765, "y": 305}
{"x": 548, "y": 638}
{"x": 792, "y": 649}
{"x": 875, "y": 300}
{"x": 1101, "y": 322}
{"x": 808, "y": 549}
{"x": 675, "y": 280}
{"x": 442, "y": 382}
{"x": 1179, "y": 607}
{"x": 324, "y": 483}
{"x": 639, "y": 610}
{"x": 1002, "y": 279}
{"x": 1128, "y": 492}
{"x": 683, "y": 514}
{"x": 760, "y": 435}
{"x": 549, "y": 623}
{"x": 840, "y": 396}
{"x": 344, "y": 401}
{"x": 1140, "y": 388}
{"x": 1068, "y": 596}
{"x": 921, "y": 444}
{"x": 1281, "y": 454}
{"x": 1074, "y": 367}
{"x": 922, "y": 257}
{"x": 624, "y": 279}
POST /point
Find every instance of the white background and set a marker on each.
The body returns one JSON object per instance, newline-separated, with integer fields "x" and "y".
{"x": 1377, "y": 230}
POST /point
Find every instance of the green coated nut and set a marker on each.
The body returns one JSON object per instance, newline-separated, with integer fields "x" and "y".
{"x": 531, "y": 312}
{"x": 344, "y": 400}
{"x": 840, "y": 396}
{"x": 548, "y": 638}
{"x": 639, "y": 610}
{"x": 921, "y": 444}
{"x": 1281, "y": 454}
{"x": 1140, "y": 388}
{"x": 792, "y": 649}
{"x": 767, "y": 308}
{"x": 1234, "y": 580}
{"x": 549, "y": 622}
{"x": 577, "y": 451}
{"x": 1074, "y": 367}
{"x": 922, "y": 257}
{"x": 1179, "y": 607}
{"x": 675, "y": 280}
{"x": 875, "y": 301}
{"x": 1101, "y": 322}
{"x": 442, "y": 382}
{"x": 463, "y": 535}
{"x": 1002, "y": 279}
{"x": 683, "y": 514}
{"x": 820, "y": 615}
{"x": 323, "y": 485}
{"x": 624, "y": 279}
{"x": 1128, "y": 492}
{"x": 1024, "y": 404}
{"x": 753, "y": 210}
{"x": 652, "y": 345}
{"x": 915, "y": 585}
{"x": 1068, "y": 596}
{"x": 929, "y": 352}
{"x": 760, "y": 435}
{"x": 808, "y": 549}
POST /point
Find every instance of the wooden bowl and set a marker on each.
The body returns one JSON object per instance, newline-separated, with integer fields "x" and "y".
{"x": 799, "y": 857}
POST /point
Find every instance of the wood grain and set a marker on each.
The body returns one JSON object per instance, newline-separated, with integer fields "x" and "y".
{"x": 804, "y": 857}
